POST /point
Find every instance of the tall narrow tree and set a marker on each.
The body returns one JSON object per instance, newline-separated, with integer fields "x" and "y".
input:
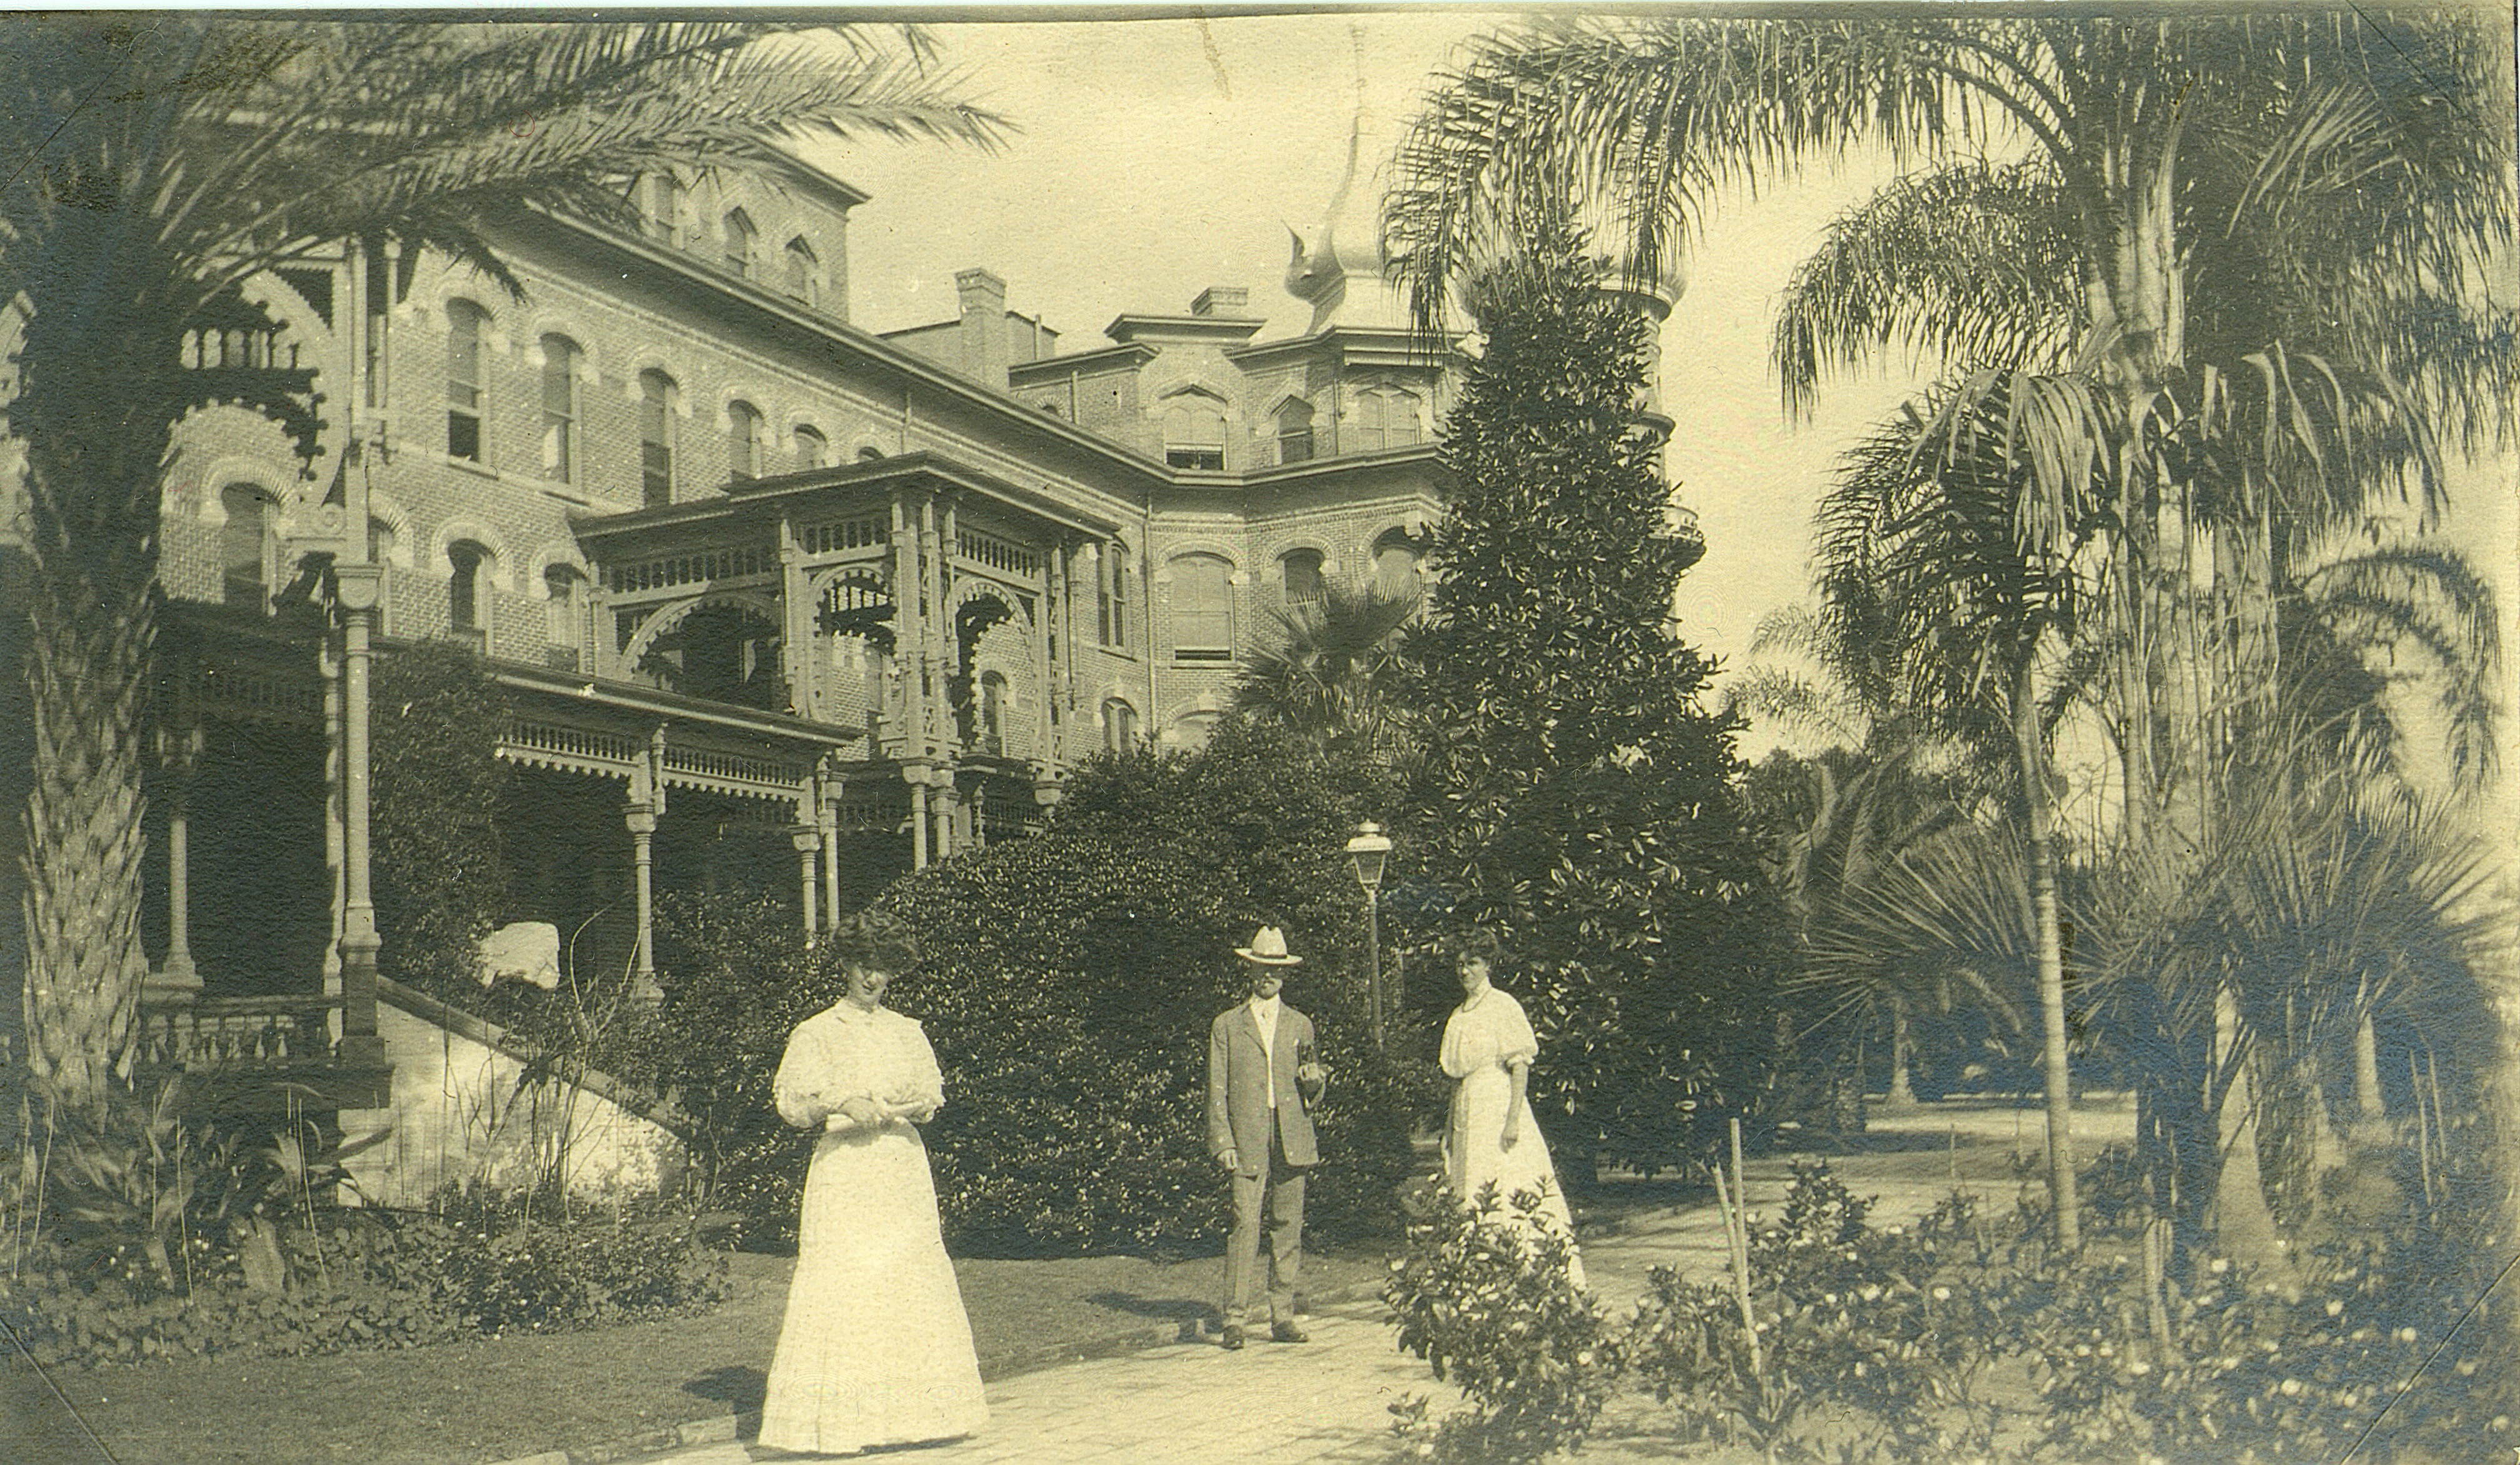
{"x": 1573, "y": 790}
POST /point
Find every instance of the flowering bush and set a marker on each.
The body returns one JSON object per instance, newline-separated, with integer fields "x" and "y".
{"x": 1861, "y": 1343}
{"x": 1484, "y": 1295}
{"x": 2357, "y": 1353}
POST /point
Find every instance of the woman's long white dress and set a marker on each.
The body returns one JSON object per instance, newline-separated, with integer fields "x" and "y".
{"x": 876, "y": 1348}
{"x": 1484, "y": 1035}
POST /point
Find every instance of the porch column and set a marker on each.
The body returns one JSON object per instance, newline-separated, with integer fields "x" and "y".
{"x": 934, "y": 627}
{"x": 176, "y": 979}
{"x": 826, "y": 816}
{"x": 358, "y": 584}
{"x": 806, "y": 839}
{"x": 916, "y": 775}
{"x": 910, "y": 631}
{"x": 947, "y": 804}
{"x": 642, "y": 819}
{"x": 1058, "y": 655}
{"x": 979, "y": 806}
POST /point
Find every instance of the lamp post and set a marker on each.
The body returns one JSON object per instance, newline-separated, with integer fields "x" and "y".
{"x": 1366, "y": 853}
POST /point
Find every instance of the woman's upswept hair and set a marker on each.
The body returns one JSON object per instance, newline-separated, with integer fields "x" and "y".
{"x": 878, "y": 941}
{"x": 1477, "y": 941}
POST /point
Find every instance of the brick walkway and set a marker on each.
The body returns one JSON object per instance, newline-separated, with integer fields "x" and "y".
{"x": 1328, "y": 1400}
{"x": 1325, "y": 1400}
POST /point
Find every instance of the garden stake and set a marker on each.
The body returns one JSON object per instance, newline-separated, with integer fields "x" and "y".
{"x": 2423, "y": 1141}
{"x": 1736, "y": 1252}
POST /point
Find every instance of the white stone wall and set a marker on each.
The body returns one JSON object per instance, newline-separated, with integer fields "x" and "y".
{"x": 456, "y": 1115}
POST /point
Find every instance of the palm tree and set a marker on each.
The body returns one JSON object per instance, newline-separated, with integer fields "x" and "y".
{"x": 1888, "y": 783}
{"x": 2226, "y": 289}
{"x": 1934, "y": 539}
{"x": 160, "y": 166}
{"x": 1330, "y": 678}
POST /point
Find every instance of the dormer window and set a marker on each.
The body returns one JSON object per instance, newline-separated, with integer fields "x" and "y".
{"x": 1386, "y": 417}
{"x": 1194, "y": 432}
{"x": 664, "y": 205}
{"x": 804, "y": 272}
{"x": 1296, "y": 432}
{"x": 741, "y": 239}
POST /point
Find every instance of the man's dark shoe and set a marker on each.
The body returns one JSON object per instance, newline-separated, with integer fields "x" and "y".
{"x": 1287, "y": 1332}
{"x": 1233, "y": 1335}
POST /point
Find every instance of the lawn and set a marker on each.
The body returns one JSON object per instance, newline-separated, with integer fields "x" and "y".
{"x": 494, "y": 1398}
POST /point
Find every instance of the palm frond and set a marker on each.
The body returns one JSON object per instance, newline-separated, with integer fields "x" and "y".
{"x": 1972, "y": 261}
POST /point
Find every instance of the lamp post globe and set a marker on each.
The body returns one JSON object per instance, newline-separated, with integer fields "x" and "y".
{"x": 1367, "y": 854}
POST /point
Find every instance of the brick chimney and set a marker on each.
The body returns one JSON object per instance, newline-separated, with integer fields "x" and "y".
{"x": 984, "y": 326}
{"x": 1220, "y": 300}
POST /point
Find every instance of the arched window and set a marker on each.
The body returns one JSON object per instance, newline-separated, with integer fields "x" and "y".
{"x": 560, "y": 359}
{"x": 1296, "y": 432}
{"x": 1202, "y": 609}
{"x": 664, "y": 206}
{"x": 813, "y": 449}
{"x": 1300, "y": 572}
{"x": 562, "y": 614}
{"x": 742, "y": 441}
{"x": 1385, "y": 417}
{"x": 464, "y": 394}
{"x": 1194, "y": 431}
{"x": 466, "y": 585}
{"x": 1112, "y": 593}
{"x": 1120, "y": 726}
{"x": 1192, "y": 730}
{"x": 804, "y": 272}
{"x": 658, "y": 408}
{"x": 993, "y": 714}
{"x": 1395, "y": 565}
{"x": 870, "y": 455}
{"x": 244, "y": 545}
{"x": 741, "y": 241}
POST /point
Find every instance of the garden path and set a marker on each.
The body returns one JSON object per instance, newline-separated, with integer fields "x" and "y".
{"x": 1328, "y": 1401}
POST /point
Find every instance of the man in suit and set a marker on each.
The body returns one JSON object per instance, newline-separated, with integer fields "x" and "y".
{"x": 1262, "y": 1081}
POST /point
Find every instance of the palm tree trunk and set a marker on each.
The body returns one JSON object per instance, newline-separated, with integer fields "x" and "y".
{"x": 2029, "y": 741}
{"x": 86, "y": 668}
{"x": 2243, "y": 1225}
{"x": 98, "y": 397}
{"x": 1903, "y": 1093}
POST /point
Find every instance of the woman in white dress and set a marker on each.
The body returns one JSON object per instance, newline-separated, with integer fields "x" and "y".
{"x": 1493, "y": 1139}
{"x": 876, "y": 1348}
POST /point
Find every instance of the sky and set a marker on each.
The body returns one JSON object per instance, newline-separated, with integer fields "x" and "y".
{"x": 1158, "y": 157}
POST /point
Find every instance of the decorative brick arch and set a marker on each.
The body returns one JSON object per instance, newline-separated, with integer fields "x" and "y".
{"x": 589, "y": 352}
{"x": 236, "y": 468}
{"x": 972, "y": 587}
{"x": 537, "y": 587}
{"x": 388, "y": 511}
{"x": 820, "y": 582}
{"x": 667, "y": 617}
{"x": 648, "y": 358}
{"x": 460, "y": 529}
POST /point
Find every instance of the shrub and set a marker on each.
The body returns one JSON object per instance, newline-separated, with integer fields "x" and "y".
{"x": 437, "y": 778}
{"x": 1070, "y": 979}
{"x": 363, "y": 1279}
{"x": 1863, "y": 1346}
{"x": 1484, "y": 1296}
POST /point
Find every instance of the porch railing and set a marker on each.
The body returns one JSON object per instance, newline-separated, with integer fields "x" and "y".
{"x": 256, "y": 1051}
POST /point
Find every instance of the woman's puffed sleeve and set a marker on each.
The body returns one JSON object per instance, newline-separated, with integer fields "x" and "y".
{"x": 923, "y": 1083}
{"x": 804, "y": 1073}
{"x": 1515, "y": 1041}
